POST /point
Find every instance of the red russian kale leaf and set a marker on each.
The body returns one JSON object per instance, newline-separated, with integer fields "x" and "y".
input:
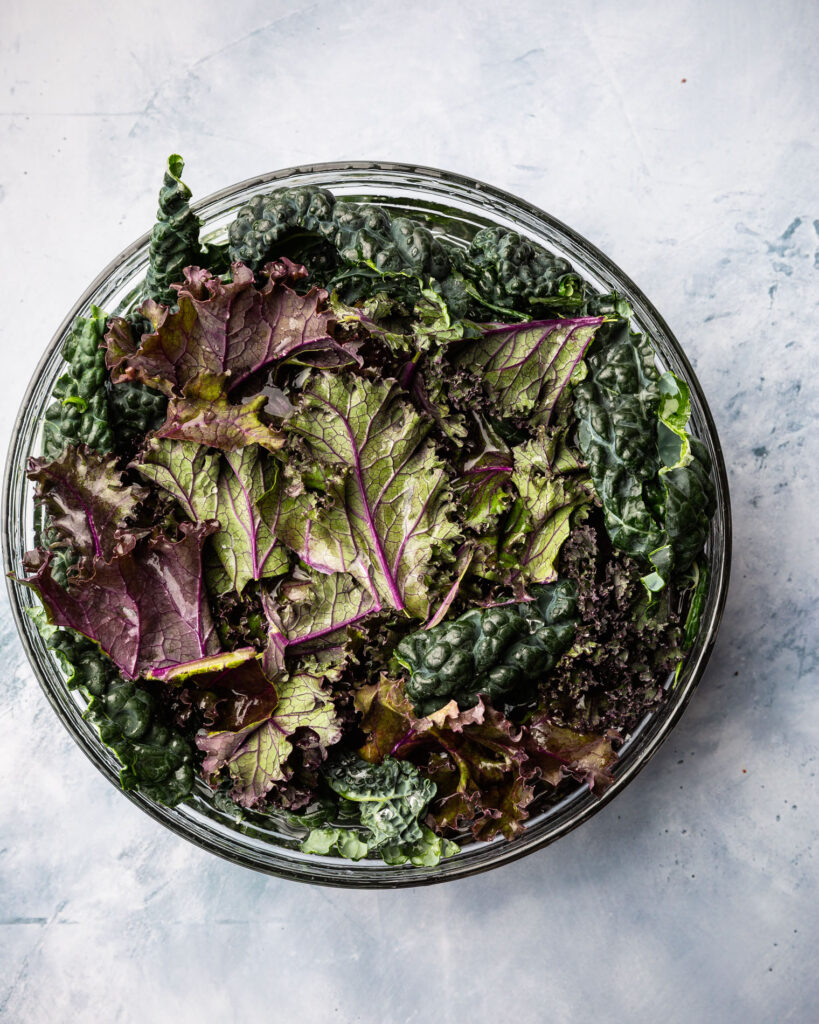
{"x": 146, "y": 608}
{"x": 220, "y": 335}
{"x": 86, "y": 499}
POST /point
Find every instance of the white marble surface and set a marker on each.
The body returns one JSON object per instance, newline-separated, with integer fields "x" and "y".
{"x": 682, "y": 139}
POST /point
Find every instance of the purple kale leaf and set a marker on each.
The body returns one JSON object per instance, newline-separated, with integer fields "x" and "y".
{"x": 146, "y": 608}
{"x": 87, "y": 502}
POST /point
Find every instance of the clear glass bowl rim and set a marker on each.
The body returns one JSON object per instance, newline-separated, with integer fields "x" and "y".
{"x": 556, "y": 822}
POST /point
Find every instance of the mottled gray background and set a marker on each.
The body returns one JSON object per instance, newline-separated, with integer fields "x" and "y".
{"x": 680, "y": 137}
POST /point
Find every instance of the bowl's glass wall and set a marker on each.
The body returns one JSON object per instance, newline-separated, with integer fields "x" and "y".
{"x": 458, "y": 207}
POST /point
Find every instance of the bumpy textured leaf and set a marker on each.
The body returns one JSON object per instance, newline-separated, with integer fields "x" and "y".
{"x": 631, "y": 420}
{"x": 386, "y": 518}
{"x": 235, "y": 490}
{"x": 146, "y": 608}
{"x": 175, "y": 236}
{"x": 256, "y": 757}
{"x": 86, "y": 499}
{"x": 79, "y": 413}
{"x": 500, "y": 653}
{"x": 306, "y": 614}
{"x": 156, "y": 758}
{"x": 527, "y": 366}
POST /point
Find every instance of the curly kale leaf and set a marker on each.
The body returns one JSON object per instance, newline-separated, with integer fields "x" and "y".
{"x": 256, "y": 757}
{"x": 527, "y": 366}
{"x": 146, "y": 608}
{"x": 175, "y": 236}
{"x": 501, "y": 653}
{"x": 235, "y": 489}
{"x": 631, "y": 421}
{"x": 625, "y": 645}
{"x": 380, "y": 808}
{"x": 87, "y": 502}
{"x": 222, "y": 334}
{"x": 157, "y": 760}
{"x": 79, "y": 413}
{"x": 386, "y": 516}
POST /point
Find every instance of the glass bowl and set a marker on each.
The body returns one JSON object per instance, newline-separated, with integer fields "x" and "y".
{"x": 457, "y": 207}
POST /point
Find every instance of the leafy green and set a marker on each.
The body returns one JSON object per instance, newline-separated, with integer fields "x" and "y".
{"x": 256, "y": 756}
{"x": 528, "y": 365}
{"x": 381, "y": 808}
{"x": 175, "y": 236}
{"x": 221, "y": 335}
{"x": 500, "y": 653}
{"x": 86, "y": 499}
{"x": 156, "y": 758}
{"x": 79, "y": 413}
{"x": 235, "y": 489}
{"x": 631, "y": 419}
{"x": 146, "y": 608}
{"x": 386, "y": 516}
{"x": 313, "y": 613}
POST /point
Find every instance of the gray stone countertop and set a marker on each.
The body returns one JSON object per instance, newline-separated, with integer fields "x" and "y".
{"x": 681, "y": 138}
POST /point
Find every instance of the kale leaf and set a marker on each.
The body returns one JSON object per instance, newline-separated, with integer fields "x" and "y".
{"x": 654, "y": 511}
{"x": 175, "y": 236}
{"x": 386, "y": 516}
{"x": 500, "y": 653}
{"x": 156, "y": 758}
{"x": 379, "y": 807}
{"x": 79, "y": 413}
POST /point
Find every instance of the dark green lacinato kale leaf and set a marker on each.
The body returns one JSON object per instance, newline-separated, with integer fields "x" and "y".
{"x": 655, "y": 511}
{"x": 157, "y": 760}
{"x": 175, "y": 236}
{"x": 134, "y": 411}
{"x": 79, "y": 412}
{"x": 501, "y": 652}
{"x": 378, "y": 811}
{"x": 296, "y": 221}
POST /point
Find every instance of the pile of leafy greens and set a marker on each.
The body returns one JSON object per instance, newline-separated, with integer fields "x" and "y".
{"x": 385, "y": 537}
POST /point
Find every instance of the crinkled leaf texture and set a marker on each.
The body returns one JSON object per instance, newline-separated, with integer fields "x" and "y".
{"x": 86, "y": 499}
{"x": 221, "y": 334}
{"x": 256, "y": 756}
{"x": 527, "y": 366}
{"x": 387, "y": 516}
{"x": 485, "y": 769}
{"x": 146, "y": 608}
{"x": 312, "y": 614}
{"x": 234, "y": 489}
{"x": 552, "y": 485}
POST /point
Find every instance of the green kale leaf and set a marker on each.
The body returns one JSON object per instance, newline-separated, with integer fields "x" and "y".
{"x": 631, "y": 422}
{"x": 156, "y": 758}
{"x": 175, "y": 236}
{"x": 501, "y": 653}
{"x": 79, "y": 413}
